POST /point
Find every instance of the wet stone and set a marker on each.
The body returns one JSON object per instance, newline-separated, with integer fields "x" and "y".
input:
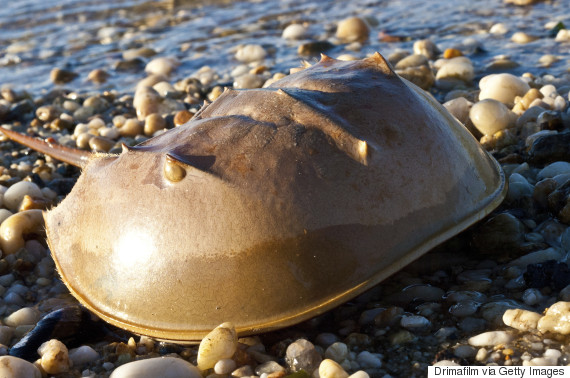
{"x": 59, "y": 76}
{"x": 556, "y": 319}
{"x": 523, "y": 320}
{"x": 490, "y": 338}
{"x": 302, "y": 355}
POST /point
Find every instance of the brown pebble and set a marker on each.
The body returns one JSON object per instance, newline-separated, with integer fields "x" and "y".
{"x": 29, "y": 203}
{"x": 277, "y": 374}
{"x": 352, "y": 29}
{"x": 258, "y": 70}
{"x": 98, "y": 76}
{"x": 531, "y": 95}
{"x": 152, "y": 123}
{"x": 100, "y": 144}
{"x": 47, "y": 113}
{"x": 131, "y": 128}
{"x": 389, "y": 317}
{"x": 451, "y": 53}
{"x": 314, "y": 48}
{"x": 182, "y": 117}
{"x": 59, "y": 76}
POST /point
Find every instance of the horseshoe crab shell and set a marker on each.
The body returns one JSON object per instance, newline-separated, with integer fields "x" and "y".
{"x": 272, "y": 205}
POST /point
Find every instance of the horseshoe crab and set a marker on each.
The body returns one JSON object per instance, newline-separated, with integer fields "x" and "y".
{"x": 271, "y": 205}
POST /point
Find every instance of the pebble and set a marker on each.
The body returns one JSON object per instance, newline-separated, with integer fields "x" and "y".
{"x": 426, "y": 48}
{"x": 465, "y": 351}
{"x": 556, "y": 319}
{"x": 331, "y": 369}
{"x": 131, "y": 128}
{"x": 54, "y": 357}
{"x": 153, "y": 123}
{"x": 490, "y": 338}
{"x": 6, "y": 334}
{"x": 414, "y": 322}
{"x": 269, "y": 367}
{"x": 520, "y": 319}
{"x": 414, "y": 60}
{"x": 224, "y": 366}
{"x": 519, "y": 187}
{"x": 352, "y": 29}
{"x": 98, "y": 76}
{"x": 563, "y": 35}
{"x": 490, "y": 116}
{"x": 24, "y": 316}
{"x": 294, "y": 32}
{"x": 14, "y": 195}
{"x": 523, "y": 38}
{"x": 554, "y": 169}
{"x": 456, "y": 69}
{"x": 14, "y": 367}
{"x": 368, "y": 360}
{"x": 248, "y": 81}
{"x": 164, "y": 367}
{"x": 162, "y": 66}
{"x": 83, "y": 355}
{"x": 100, "y": 144}
{"x": 59, "y": 76}
{"x": 502, "y": 87}
{"x": 219, "y": 344}
{"x": 337, "y": 351}
{"x": 360, "y": 374}
{"x": 302, "y": 355}
{"x": 13, "y": 229}
{"x": 250, "y": 53}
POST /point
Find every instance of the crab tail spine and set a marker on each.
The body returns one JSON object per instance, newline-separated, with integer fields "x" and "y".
{"x": 49, "y": 147}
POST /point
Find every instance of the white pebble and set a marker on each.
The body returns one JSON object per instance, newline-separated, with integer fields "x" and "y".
{"x": 14, "y": 195}
{"x": 109, "y": 132}
{"x": 563, "y": 35}
{"x": 24, "y": 316}
{"x": 249, "y": 81}
{"x": 556, "y": 319}
{"x": 360, "y": 374}
{"x": 554, "y": 169}
{"x": 502, "y": 87}
{"x": 219, "y": 344}
{"x": 446, "y": 363}
{"x": 499, "y": 28}
{"x": 337, "y": 352}
{"x": 164, "y": 367}
{"x": 490, "y": 338}
{"x": 520, "y": 319}
{"x": 490, "y": 116}
{"x": 250, "y": 53}
{"x": 162, "y": 66}
{"x": 352, "y": 29}
{"x": 532, "y": 296}
{"x": 414, "y": 322}
{"x": 83, "y": 355}
{"x": 368, "y": 360}
{"x": 481, "y": 355}
{"x": 14, "y": 367}
{"x": 54, "y": 357}
{"x": 224, "y": 366}
{"x": 294, "y": 31}
{"x": 459, "y": 68}
{"x": 331, "y": 369}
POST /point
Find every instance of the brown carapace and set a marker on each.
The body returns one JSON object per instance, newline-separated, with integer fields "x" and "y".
{"x": 271, "y": 205}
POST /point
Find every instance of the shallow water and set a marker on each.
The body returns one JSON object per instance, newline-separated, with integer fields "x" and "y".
{"x": 81, "y": 35}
